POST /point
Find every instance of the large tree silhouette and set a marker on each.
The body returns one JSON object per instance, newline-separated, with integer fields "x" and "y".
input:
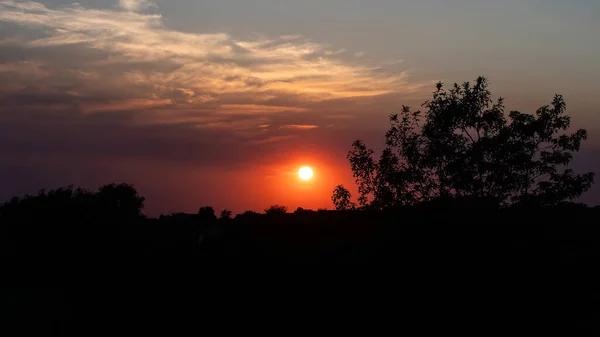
{"x": 465, "y": 145}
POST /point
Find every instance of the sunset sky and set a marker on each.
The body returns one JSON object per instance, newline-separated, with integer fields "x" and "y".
{"x": 221, "y": 102}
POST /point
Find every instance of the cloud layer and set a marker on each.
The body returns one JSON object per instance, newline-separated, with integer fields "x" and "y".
{"x": 137, "y": 49}
{"x": 76, "y": 66}
{"x": 135, "y": 5}
{"x": 86, "y": 85}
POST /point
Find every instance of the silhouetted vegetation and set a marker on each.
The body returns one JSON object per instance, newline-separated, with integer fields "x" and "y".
{"x": 73, "y": 231}
{"x": 276, "y": 210}
{"x": 225, "y": 215}
{"x": 109, "y": 203}
{"x": 342, "y": 199}
{"x": 465, "y": 146}
{"x": 207, "y": 214}
{"x": 465, "y": 207}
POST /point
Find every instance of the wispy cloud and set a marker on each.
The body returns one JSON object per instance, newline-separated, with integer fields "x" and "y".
{"x": 135, "y": 5}
{"x": 273, "y": 139}
{"x": 299, "y": 127}
{"x": 75, "y": 66}
{"x": 243, "y": 109}
{"x": 201, "y": 64}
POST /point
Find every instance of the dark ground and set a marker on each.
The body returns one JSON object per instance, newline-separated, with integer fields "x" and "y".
{"x": 418, "y": 272}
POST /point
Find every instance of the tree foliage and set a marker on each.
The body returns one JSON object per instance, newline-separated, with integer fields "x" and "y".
{"x": 276, "y": 209}
{"x": 225, "y": 215}
{"x": 120, "y": 202}
{"x": 465, "y": 145}
{"x": 207, "y": 214}
{"x": 342, "y": 199}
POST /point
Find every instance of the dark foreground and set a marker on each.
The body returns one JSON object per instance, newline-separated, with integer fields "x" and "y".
{"x": 419, "y": 271}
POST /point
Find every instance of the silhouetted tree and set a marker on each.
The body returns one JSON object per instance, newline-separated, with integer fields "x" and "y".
{"x": 464, "y": 146}
{"x": 364, "y": 167}
{"x": 120, "y": 202}
{"x": 342, "y": 198}
{"x": 225, "y": 215}
{"x": 276, "y": 209}
{"x": 207, "y": 214}
{"x": 538, "y": 151}
{"x": 301, "y": 210}
{"x": 62, "y": 204}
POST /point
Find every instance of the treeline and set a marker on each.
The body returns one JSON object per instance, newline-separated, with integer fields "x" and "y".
{"x": 62, "y": 236}
{"x": 113, "y": 202}
{"x": 71, "y": 222}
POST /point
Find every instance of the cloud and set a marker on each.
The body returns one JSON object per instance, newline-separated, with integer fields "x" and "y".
{"x": 125, "y": 105}
{"x": 299, "y": 127}
{"x": 257, "y": 109}
{"x": 135, "y": 5}
{"x": 273, "y": 139}
{"x": 81, "y": 62}
{"x": 203, "y": 65}
{"x": 86, "y": 85}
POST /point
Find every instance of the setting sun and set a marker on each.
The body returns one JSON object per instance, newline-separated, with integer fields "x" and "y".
{"x": 305, "y": 173}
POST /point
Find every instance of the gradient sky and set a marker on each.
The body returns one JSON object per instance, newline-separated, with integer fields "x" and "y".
{"x": 220, "y": 102}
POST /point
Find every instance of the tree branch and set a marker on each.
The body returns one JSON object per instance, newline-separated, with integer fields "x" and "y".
{"x": 552, "y": 146}
{"x": 467, "y": 132}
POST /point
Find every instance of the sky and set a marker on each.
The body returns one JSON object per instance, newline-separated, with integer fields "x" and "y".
{"x": 220, "y": 102}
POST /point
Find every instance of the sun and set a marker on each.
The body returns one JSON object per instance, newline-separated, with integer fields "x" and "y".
{"x": 305, "y": 173}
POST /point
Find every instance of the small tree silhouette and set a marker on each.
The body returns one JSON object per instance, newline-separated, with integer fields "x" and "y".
{"x": 120, "y": 201}
{"x": 342, "y": 199}
{"x": 276, "y": 209}
{"x": 207, "y": 214}
{"x": 225, "y": 215}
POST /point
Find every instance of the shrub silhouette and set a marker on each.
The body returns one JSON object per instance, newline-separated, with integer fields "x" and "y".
{"x": 276, "y": 209}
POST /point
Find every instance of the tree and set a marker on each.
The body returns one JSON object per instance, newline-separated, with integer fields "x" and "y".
{"x": 364, "y": 167}
{"x": 276, "y": 209}
{"x": 540, "y": 150}
{"x": 120, "y": 202}
{"x": 207, "y": 214}
{"x": 112, "y": 204}
{"x": 342, "y": 199}
{"x": 464, "y": 146}
{"x": 249, "y": 214}
{"x": 65, "y": 204}
{"x": 225, "y": 215}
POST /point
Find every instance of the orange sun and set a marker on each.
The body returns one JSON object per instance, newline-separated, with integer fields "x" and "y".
{"x": 305, "y": 173}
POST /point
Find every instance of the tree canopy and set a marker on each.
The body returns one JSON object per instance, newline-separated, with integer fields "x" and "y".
{"x": 342, "y": 199}
{"x": 110, "y": 202}
{"x": 276, "y": 209}
{"x": 464, "y": 144}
